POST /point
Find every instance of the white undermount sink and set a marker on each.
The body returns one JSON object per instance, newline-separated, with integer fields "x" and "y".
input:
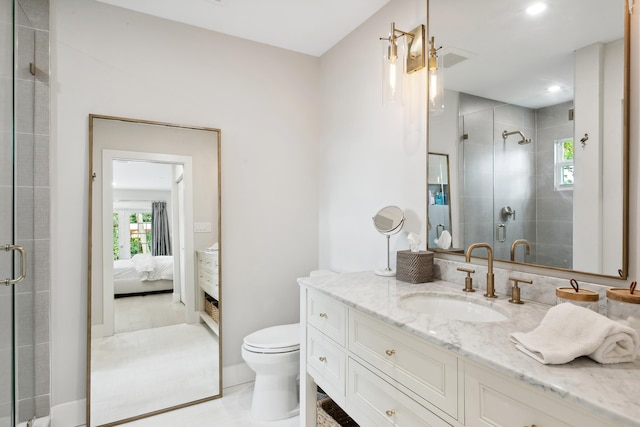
{"x": 450, "y": 307}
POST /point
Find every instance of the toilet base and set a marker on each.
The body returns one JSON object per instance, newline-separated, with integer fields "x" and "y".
{"x": 275, "y": 397}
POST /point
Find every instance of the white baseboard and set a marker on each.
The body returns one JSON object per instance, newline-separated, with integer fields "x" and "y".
{"x": 176, "y": 297}
{"x": 70, "y": 414}
{"x": 237, "y": 374}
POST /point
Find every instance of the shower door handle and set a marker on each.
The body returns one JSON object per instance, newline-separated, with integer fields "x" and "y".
{"x": 504, "y": 233}
{"x": 23, "y": 264}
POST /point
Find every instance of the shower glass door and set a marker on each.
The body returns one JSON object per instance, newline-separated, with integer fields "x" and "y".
{"x": 24, "y": 211}
{"x": 499, "y": 179}
{"x": 7, "y": 195}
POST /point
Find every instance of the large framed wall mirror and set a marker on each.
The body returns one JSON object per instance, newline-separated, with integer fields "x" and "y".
{"x": 534, "y": 119}
{"x": 155, "y": 304}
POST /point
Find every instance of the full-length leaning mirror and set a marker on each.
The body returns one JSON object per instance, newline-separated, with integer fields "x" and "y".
{"x": 534, "y": 119}
{"x": 153, "y": 341}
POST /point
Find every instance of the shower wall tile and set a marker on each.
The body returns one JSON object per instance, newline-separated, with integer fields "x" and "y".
{"x": 26, "y": 409}
{"x": 43, "y": 405}
{"x": 42, "y": 369}
{"x": 481, "y": 206}
{"x": 26, "y": 371}
{"x": 24, "y": 157}
{"x": 555, "y": 231}
{"x": 41, "y": 260}
{"x": 6, "y": 96}
{"x": 25, "y": 319}
{"x": 25, "y": 93}
{"x": 554, "y": 115}
{"x": 41, "y": 317}
{"x": 25, "y": 205}
{"x": 6, "y": 313}
{"x": 25, "y": 54}
{"x": 555, "y": 209}
{"x": 33, "y": 13}
{"x": 6, "y": 160}
{"x": 470, "y": 104}
{"x": 41, "y": 124}
{"x": 41, "y": 161}
{"x": 509, "y": 117}
{"x": 42, "y": 56}
{"x": 41, "y": 216}
{"x": 6, "y": 39}
{"x": 5, "y": 378}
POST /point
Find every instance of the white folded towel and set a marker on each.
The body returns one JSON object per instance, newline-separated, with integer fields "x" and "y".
{"x": 444, "y": 241}
{"x": 569, "y": 331}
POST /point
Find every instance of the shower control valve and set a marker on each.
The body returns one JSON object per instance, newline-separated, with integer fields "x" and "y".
{"x": 507, "y": 213}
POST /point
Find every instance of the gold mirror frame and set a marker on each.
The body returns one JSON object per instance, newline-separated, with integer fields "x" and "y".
{"x": 624, "y": 270}
{"x": 216, "y": 136}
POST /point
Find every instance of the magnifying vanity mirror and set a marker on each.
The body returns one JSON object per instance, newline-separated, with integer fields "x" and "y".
{"x": 535, "y": 125}
{"x": 388, "y": 221}
{"x": 155, "y": 305}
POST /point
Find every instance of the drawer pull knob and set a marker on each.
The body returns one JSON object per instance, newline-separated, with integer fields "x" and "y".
{"x": 322, "y": 358}
{"x": 390, "y": 352}
{"x": 323, "y": 315}
{"x": 391, "y": 412}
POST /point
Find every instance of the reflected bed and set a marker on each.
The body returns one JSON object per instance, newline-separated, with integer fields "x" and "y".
{"x": 142, "y": 274}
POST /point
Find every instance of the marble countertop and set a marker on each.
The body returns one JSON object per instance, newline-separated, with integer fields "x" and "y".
{"x": 612, "y": 391}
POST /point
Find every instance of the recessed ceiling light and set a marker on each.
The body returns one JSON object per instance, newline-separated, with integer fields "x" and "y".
{"x": 554, "y": 88}
{"x": 536, "y": 8}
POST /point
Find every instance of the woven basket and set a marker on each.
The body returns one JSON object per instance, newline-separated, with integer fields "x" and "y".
{"x": 329, "y": 414}
{"x": 414, "y": 267}
{"x": 211, "y": 310}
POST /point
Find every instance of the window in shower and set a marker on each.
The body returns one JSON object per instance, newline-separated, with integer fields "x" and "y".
{"x": 563, "y": 164}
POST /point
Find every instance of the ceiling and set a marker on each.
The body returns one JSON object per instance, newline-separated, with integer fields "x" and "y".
{"x": 141, "y": 175}
{"x": 305, "y": 26}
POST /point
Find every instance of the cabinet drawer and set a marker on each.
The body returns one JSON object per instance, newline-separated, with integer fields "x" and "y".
{"x": 372, "y": 401}
{"x": 328, "y": 316}
{"x": 494, "y": 400}
{"x": 207, "y": 262}
{"x": 429, "y": 372}
{"x": 327, "y": 364}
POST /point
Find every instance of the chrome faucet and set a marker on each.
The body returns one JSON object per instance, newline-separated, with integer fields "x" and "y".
{"x": 490, "y": 288}
{"x": 515, "y": 244}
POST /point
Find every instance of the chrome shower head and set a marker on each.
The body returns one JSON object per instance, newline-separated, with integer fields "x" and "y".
{"x": 524, "y": 139}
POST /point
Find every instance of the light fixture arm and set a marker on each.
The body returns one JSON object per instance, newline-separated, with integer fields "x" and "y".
{"x": 433, "y": 55}
{"x": 394, "y": 35}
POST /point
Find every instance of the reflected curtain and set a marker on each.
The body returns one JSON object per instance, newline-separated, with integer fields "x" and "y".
{"x": 160, "y": 234}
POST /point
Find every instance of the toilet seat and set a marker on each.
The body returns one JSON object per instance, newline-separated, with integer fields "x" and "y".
{"x": 276, "y": 339}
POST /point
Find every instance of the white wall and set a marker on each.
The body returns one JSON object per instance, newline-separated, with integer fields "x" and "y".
{"x": 371, "y": 155}
{"x": 106, "y": 60}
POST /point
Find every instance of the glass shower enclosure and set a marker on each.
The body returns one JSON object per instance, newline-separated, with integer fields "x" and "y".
{"x": 24, "y": 211}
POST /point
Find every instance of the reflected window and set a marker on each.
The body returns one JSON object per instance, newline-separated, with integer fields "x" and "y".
{"x": 140, "y": 233}
{"x": 564, "y": 164}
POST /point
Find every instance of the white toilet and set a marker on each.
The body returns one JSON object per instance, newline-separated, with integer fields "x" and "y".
{"x": 274, "y": 355}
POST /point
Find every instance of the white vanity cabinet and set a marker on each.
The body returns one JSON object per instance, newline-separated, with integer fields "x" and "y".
{"x": 326, "y": 337}
{"x": 377, "y": 373}
{"x": 382, "y": 375}
{"x": 494, "y": 400}
{"x": 208, "y": 295}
